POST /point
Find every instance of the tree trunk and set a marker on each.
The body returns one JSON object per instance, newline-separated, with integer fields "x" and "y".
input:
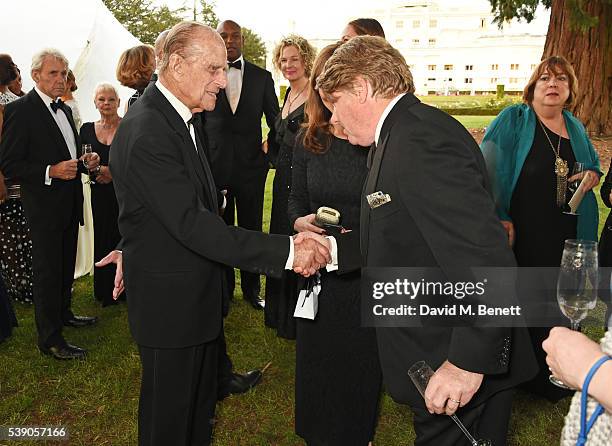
{"x": 590, "y": 53}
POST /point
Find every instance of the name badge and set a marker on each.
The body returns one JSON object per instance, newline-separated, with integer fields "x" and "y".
{"x": 377, "y": 199}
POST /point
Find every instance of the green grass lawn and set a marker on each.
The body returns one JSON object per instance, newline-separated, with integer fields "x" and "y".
{"x": 97, "y": 400}
{"x": 465, "y": 100}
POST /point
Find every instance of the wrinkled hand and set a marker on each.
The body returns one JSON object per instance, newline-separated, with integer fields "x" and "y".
{"x": 509, "y": 228}
{"x": 311, "y": 252}
{"x": 570, "y": 355}
{"x": 115, "y": 257}
{"x": 90, "y": 160}
{"x": 104, "y": 177}
{"x": 64, "y": 170}
{"x": 306, "y": 223}
{"x": 448, "y": 385}
{"x": 591, "y": 181}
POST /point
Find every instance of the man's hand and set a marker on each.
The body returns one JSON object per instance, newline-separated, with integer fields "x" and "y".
{"x": 309, "y": 254}
{"x": 117, "y": 258}
{"x": 450, "y": 388}
{"x": 64, "y": 170}
{"x": 264, "y": 146}
{"x": 306, "y": 223}
{"x": 509, "y": 228}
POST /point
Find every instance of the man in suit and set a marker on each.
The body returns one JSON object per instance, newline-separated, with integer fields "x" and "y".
{"x": 233, "y": 129}
{"x": 40, "y": 147}
{"x": 439, "y": 213}
{"x": 174, "y": 244}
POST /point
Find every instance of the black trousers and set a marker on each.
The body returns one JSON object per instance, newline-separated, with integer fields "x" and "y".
{"x": 488, "y": 420}
{"x": 178, "y": 395}
{"x": 53, "y": 260}
{"x": 246, "y": 199}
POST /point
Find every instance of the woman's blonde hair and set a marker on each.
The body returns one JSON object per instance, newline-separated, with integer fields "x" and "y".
{"x": 305, "y": 50}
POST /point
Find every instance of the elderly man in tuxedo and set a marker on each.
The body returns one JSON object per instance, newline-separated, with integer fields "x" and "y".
{"x": 40, "y": 147}
{"x": 174, "y": 243}
{"x": 435, "y": 210}
{"x": 237, "y": 156}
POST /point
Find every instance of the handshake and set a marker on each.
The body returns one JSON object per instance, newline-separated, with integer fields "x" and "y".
{"x": 310, "y": 253}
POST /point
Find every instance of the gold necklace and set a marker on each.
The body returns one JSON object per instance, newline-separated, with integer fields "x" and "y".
{"x": 561, "y": 169}
{"x": 290, "y": 101}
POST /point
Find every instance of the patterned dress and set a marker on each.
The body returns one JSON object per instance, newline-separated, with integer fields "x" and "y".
{"x": 15, "y": 243}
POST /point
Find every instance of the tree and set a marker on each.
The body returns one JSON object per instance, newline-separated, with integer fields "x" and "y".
{"x": 254, "y": 49}
{"x": 580, "y": 31}
{"x": 142, "y": 19}
{"x": 207, "y": 14}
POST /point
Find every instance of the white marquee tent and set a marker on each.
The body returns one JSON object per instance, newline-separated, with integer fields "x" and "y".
{"x": 85, "y": 31}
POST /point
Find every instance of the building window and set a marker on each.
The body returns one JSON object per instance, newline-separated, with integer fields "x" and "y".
{"x": 468, "y": 80}
{"x": 411, "y": 67}
{"x": 399, "y": 24}
{"x": 415, "y": 41}
{"x": 432, "y": 42}
{"x": 483, "y": 23}
{"x": 416, "y": 23}
{"x": 514, "y": 80}
{"x": 494, "y": 80}
{"x": 399, "y": 40}
{"x": 514, "y": 66}
{"x": 431, "y": 79}
{"x": 469, "y": 67}
{"x": 533, "y": 66}
{"x": 494, "y": 67}
{"x": 433, "y": 23}
{"x": 448, "y": 67}
{"x": 431, "y": 67}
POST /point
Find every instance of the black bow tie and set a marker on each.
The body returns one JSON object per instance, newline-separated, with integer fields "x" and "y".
{"x": 235, "y": 64}
{"x": 57, "y": 105}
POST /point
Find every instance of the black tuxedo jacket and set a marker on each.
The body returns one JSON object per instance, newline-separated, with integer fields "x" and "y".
{"x": 441, "y": 215}
{"x": 234, "y": 140}
{"x": 173, "y": 241}
{"x": 31, "y": 140}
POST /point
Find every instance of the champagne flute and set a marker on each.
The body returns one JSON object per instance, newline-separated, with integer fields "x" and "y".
{"x": 420, "y": 373}
{"x": 87, "y": 151}
{"x": 577, "y": 284}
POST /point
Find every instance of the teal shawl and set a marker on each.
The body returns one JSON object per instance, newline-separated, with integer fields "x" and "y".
{"x": 506, "y": 145}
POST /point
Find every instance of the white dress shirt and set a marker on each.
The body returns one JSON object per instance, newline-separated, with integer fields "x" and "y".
{"x": 62, "y": 122}
{"x": 234, "y": 84}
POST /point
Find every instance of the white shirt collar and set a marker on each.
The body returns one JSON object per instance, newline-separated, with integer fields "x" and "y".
{"x": 180, "y": 108}
{"x": 384, "y": 115}
{"x": 46, "y": 99}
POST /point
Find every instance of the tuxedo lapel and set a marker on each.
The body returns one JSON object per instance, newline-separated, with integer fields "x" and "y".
{"x": 369, "y": 187}
{"x": 68, "y": 111}
{"x": 45, "y": 117}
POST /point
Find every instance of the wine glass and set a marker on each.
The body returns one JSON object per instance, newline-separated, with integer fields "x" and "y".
{"x": 578, "y": 168}
{"x": 577, "y": 284}
{"x": 420, "y": 373}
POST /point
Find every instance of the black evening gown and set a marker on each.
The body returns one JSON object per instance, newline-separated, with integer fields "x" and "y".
{"x": 105, "y": 212}
{"x": 541, "y": 229}
{"x": 281, "y": 294}
{"x": 338, "y": 376}
{"x": 7, "y": 316}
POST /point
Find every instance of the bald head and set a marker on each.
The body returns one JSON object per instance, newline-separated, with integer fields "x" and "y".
{"x": 189, "y": 39}
{"x": 231, "y": 33}
{"x": 159, "y": 46}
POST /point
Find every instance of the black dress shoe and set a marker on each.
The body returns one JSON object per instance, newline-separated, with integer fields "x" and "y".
{"x": 256, "y": 302}
{"x": 239, "y": 384}
{"x": 81, "y": 321}
{"x": 64, "y": 352}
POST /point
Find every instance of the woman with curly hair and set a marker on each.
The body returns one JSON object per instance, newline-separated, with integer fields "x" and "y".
{"x": 293, "y": 57}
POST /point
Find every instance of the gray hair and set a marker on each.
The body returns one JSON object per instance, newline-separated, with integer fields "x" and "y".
{"x": 180, "y": 41}
{"x": 104, "y": 86}
{"x": 39, "y": 58}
